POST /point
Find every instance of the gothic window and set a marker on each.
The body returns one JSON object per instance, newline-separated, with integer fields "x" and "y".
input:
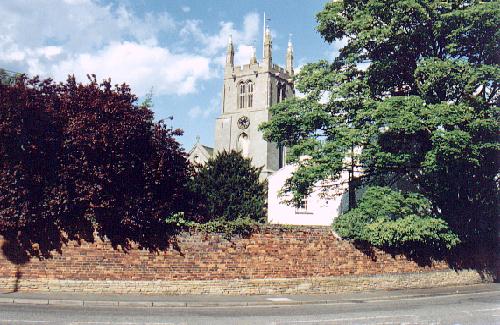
{"x": 283, "y": 92}
{"x": 243, "y": 144}
{"x": 241, "y": 97}
{"x": 250, "y": 93}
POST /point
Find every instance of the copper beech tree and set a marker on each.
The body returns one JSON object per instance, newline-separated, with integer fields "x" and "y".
{"x": 78, "y": 158}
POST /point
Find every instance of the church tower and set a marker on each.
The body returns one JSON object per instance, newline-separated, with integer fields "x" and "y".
{"x": 247, "y": 94}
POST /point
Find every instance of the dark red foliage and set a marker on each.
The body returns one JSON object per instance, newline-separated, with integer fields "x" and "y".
{"x": 75, "y": 158}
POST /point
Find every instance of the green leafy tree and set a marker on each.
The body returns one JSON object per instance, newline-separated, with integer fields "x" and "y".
{"x": 416, "y": 88}
{"x": 227, "y": 188}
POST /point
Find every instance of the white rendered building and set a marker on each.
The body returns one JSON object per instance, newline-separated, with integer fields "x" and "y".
{"x": 327, "y": 201}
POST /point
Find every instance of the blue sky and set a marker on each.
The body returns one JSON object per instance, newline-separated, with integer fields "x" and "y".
{"x": 174, "y": 47}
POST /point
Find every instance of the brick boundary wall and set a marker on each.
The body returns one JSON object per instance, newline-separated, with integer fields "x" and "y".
{"x": 274, "y": 260}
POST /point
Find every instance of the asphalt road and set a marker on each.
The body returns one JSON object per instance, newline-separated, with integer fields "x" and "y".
{"x": 470, "y": 308}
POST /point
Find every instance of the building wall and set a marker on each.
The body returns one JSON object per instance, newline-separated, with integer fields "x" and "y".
{"x": 227, "y": 134}
{"x": 327, "y": 201}
{"x": 198, "y": 155}
{"x": 320, "y": 210}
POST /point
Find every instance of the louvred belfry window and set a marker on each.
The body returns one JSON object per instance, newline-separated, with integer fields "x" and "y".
{"x": 250, "y": 93}
{"x": 242, "y": 95}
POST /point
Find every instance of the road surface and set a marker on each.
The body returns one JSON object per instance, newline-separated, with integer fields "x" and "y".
{"x": 465, "y": 308}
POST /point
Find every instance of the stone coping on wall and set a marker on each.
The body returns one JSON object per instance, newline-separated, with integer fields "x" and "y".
{"x": 313, "y": 285}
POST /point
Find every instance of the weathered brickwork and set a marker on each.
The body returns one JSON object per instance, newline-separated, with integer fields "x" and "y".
{"x": 298, "y": 259}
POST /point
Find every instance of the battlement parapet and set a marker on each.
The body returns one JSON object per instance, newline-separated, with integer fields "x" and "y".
{"x": 247, "y": 67}
{"x": 256, "y": 68}
{"x": 277, "y": 67}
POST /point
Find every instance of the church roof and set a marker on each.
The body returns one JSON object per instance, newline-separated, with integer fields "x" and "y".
{"x": 201, "y": 151}
{"x": 210, "y": 150}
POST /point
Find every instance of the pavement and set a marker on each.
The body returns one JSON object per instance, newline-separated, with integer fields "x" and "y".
{"x": 199, "y": 301}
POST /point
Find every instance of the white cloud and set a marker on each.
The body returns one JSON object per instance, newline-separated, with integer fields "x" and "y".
{"x": 49, "y": 51}
{"x": 76, "y": 1}
{"x": 78, "y": 25}
{"x": 57, "y": 38}
{"x": 194, "y": 112}
{"x": 211, "y": 44}
{"x": 242, "y": 54}
{"x": 54, "y": 38}
{"x": 186, "y": 9}
{"x": 212, "y": 108}
{"x": 141, "y": 66}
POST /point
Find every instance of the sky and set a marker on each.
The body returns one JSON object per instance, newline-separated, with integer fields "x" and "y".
{"x": 174, "y": 49}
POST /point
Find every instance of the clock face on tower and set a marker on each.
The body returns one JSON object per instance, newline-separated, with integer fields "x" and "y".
{"x": 243, "y": 122}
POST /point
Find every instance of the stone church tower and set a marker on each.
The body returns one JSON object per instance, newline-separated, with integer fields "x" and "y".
{"x": 247, "y": 94}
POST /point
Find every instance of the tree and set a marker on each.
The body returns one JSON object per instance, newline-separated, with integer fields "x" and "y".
{"x": 424, "y": 111}
{"x": 227, "y": 188}
{"x": 78, "y": 157}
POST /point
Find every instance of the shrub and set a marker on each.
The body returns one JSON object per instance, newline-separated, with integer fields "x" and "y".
{"x": 388, "y": 218}
{"x": 227, "y": 188}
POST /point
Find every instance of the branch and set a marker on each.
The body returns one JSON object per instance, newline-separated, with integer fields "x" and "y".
{"x": 493, "y": 92}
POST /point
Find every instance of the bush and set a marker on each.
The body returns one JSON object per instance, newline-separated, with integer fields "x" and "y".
{"x": 227, "y": 188}
{"x": 238, "y": 227}
{"x": 391, "y": 219}
{"x": 76, "y": 157}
